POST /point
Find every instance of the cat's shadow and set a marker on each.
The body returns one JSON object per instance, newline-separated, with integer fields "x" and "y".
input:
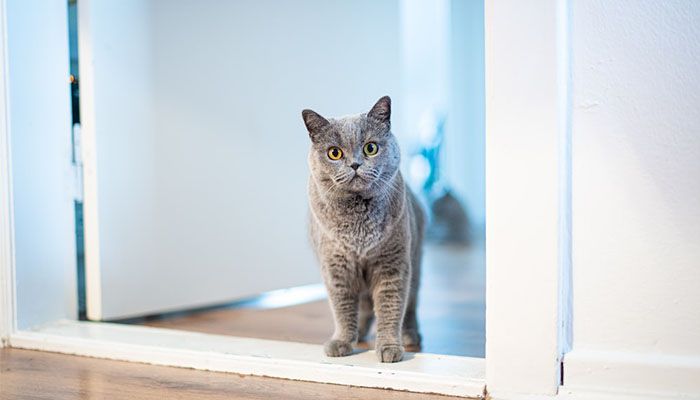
{"x": 357, "y": 351}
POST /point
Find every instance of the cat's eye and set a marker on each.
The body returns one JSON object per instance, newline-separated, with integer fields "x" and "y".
{"x": 371, "y": 149}
{"x": 335, "y": 153}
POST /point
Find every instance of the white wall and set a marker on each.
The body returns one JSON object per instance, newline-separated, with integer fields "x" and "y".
{"x": 201, "y": 150}
{"x": 636, "y": 193}
{"x": 523, "y": 168}
{"x": 116, "y": 104}
{"x": 39, "y": 112}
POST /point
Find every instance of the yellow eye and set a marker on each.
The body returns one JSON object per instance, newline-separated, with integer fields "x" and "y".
{"x": 371, "y": 149}
{"x": 335, "y": 153}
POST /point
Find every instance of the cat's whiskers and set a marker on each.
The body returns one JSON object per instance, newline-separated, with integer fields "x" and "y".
{"x": 377, "y": 176}
{"x": 330, "y": 189}
{"x": 343, "y": 177}
{"x": 389, "y": 188}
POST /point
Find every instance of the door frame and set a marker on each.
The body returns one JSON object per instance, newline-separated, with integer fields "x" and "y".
{"x": 527, "y": 186}
{"x": 528, "y": 194}
{"x": 8, "y": 320}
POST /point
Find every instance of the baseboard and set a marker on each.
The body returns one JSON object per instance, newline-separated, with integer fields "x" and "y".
{"x": 632, "y": 375}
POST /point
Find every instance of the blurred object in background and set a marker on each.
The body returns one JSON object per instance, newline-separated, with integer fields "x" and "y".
{"x": 442, "y": 115}
{"x": 449, "y": 223}
{"x": 448, "y": 219}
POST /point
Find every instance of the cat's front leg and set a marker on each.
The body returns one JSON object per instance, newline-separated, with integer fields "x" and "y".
{"x": 343, "y": 293}
{"x": 389, "y": 292}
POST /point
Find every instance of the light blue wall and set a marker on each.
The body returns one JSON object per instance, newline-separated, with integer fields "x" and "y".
{"x": 200, "y": 142}
{"x": 40, "y": 121}
{"x": 442, "y": 70}
{"x": 466, "y": 120}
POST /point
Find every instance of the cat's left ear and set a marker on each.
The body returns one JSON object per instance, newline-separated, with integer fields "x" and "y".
{"x": 315, "y": 123}
{"x": 381, "y": 112}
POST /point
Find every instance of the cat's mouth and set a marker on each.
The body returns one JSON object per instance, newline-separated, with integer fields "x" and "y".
{"x": 359, "y": 183}
{"x": 356, "y": 181}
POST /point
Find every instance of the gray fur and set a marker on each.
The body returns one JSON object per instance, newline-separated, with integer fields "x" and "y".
{"x": 366, "y": 228}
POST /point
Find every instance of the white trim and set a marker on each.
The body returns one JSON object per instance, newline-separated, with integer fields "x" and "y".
{"x": 8, "y": 320}
{"x": 564, "y": 76}
{"x": 93, "y": 280}
{"x": 631, "y": 374}
{"x": 526, "y": 194}
{"x": 427, "y": 373}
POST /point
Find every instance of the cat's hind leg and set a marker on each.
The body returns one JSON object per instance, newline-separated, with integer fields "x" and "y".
{"x": 410, "y": 333}
{"x": 366, "y": 316}
{"x": 409, "y": 330}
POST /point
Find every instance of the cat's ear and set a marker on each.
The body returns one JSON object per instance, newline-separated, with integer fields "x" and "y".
{"x": 314, "y": 122}
{"x": 381, "y": 112}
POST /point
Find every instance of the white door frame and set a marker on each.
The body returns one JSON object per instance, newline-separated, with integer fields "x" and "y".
{"x": 7, "y": 262}
{"x": 527, "y": 237}
{"x": 528, "y": 192}
{"x": 91, "y": 232}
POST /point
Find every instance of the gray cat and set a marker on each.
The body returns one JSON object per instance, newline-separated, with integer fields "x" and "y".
{"x": 366, "y": 228}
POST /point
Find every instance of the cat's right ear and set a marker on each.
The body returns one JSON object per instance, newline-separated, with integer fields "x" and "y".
{"x": 315, "y": 123}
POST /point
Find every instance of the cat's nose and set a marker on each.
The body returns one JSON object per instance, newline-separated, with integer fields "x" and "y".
{"x": 355, "y": 166}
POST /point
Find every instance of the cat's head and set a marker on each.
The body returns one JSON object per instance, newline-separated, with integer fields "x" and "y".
{"x": 356, "y": 154}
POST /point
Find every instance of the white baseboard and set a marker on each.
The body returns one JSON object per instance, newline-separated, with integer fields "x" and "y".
{"x": 609, "y": 374}
{"x": 419, "y": 372}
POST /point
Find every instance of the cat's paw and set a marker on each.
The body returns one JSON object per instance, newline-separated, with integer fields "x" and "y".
{"x": 337, "y": 348}
{"x": 389, "y": 353}
{"x": 412, "y": 340}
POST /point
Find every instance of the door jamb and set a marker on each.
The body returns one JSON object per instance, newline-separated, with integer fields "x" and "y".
{"x": 8, "y": 322}
{"x": 528, "y": 194}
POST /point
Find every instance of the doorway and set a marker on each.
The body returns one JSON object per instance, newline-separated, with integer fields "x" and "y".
{"x": 191, "y": 226}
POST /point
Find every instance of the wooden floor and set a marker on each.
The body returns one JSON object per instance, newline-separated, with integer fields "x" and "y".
{"x": 451, "y": 309}
{"x": 32, "y": 375}
{"x": 451, "y": 314}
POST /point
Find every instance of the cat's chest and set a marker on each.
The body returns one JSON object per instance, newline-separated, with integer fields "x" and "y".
{"x": 359, "y": 225}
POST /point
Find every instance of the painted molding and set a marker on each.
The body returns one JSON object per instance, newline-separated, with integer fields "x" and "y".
{"x": 631, "y": 374}
{"x": 7, "y": 264}
{"x": 93, "y": 280}
{"x": 564, "y": 117}
{"x": 527, "y": 195}
{"x": 419, "y": 372}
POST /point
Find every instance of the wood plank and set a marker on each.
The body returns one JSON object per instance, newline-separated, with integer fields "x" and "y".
{"x": 31, "y": 375}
